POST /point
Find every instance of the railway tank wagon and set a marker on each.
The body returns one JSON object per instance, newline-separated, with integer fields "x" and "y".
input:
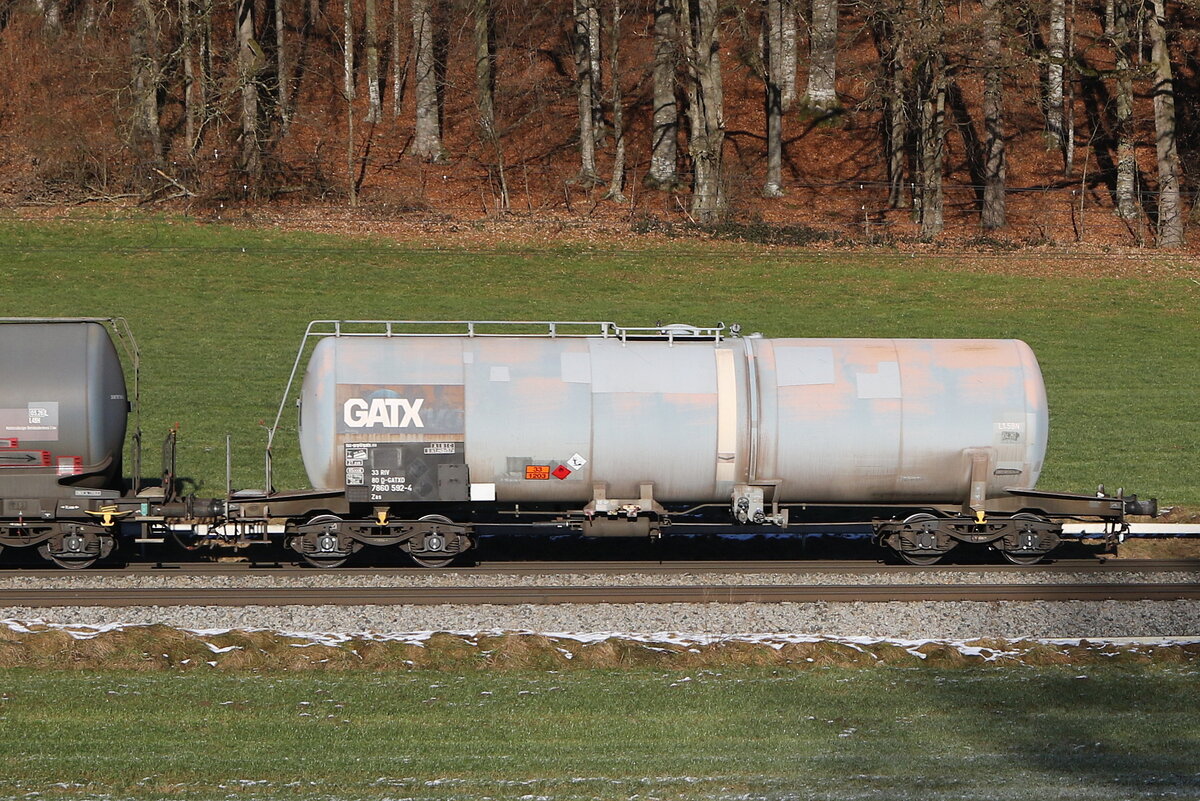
{"x": 64, "y": 407}
{"x": 624, "y": 428}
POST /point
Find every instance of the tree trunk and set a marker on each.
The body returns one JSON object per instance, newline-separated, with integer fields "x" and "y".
{"x": 773, "y": 98}
{"x": 146, "y": 134}
{"x": 427, "y": 139}
{"x": 485, "y": 91}
{"x": 1069, "y": 102}
{"x": 1127, "y": 207}
{"x": 616, "y": 184}
{"x": 248, "y": 65}
{"x": 784, "y": 52}
{"x": 187, "y": 37}
{"x": 1056, "y": 54}
{"x": 1170, "y": 220}
{"x": 585, "y": 88}
{"x": 207, "y": 79}
{"x": 283, "y": 68}
{"x": 888, "y": 25}
{"x": 663, "y": 172}
{"x": 699, "y": 19}
{"x": 51, "y": 16}
{"x": 485, "y": 65}
{"x": 593, "y": 45}
{"x": 399, "y": 72}
{"x": 374, "y": 88}
{"x": 931, "y": 76}
{"x": 348, "y": 93}
{"x": 993, "y": 119}
{"x": 822, "y": 76}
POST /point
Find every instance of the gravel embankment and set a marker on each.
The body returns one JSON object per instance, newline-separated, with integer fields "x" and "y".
{"x": 934, "y": 620}
{"x": 450, "y": 578}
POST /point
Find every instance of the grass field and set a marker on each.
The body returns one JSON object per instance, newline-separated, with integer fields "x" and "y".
{"x": 219, "y": 311}
{"x": 870, "y": 733}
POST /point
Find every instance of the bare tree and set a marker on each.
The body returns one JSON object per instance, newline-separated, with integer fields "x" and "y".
{"x": 374, "y": 87}
{"x": 1056, "y": 47}
{"x": 249, "y": 61}
{"x": 348, "y": 93}
{"x": 773, "y": 96}
{"x": 663, "y": 173}
{"x": 699, "y": 19}
{"x": 931, "y": 92}
{"x": 783, "y": 52}
{"x": 144, "y": 49}
{"x": 821, "y": 95}
{"x": 616, "y": 184}
{"x": 1170, "y": 220}
{"x": 427, "y": 139}
{"x": 283, "y": 68}
{"x": 994, "y": 167}
{"x": 399, "y": 73}
{"x": 890, "y": 27}
{"x": 587, "y": 87}
{"x": 191, "y": 110}
{"x": 485, "y": 91}
{"x": 1127, "y": 207}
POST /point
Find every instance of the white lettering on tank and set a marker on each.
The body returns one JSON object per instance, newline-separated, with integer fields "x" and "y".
{"x": 386, "y": 412}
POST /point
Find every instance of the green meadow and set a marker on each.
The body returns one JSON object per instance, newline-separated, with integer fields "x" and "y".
{"x": 219, "y": 312}
{"x": 873, "y": 733}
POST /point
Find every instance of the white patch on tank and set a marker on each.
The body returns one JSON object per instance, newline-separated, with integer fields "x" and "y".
{"x": 884, "y": 383}
{"x": 576, "y": 368}
{"x": 499, "y": 373}
{"x": 483, "y": 492}
{"x": 803, "y": 367}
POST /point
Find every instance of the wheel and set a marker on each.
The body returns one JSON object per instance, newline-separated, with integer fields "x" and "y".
{"x": 434, "y": 558}
{"x": 79, "y": 550}
{"x": 920, "y": 559}
{"x": 1024, "y": 559}
{"x": 66, "y": 563}
{"x": 322, "y": 551}
{"x": 920, "y": 556}
{"x": 325, "y": 562}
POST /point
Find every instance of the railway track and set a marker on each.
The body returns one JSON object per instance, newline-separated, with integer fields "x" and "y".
{"x": 540, "y": 568}
{"x": 425, "y": 596}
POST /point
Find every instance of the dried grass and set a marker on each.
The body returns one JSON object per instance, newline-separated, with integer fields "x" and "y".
{"x": 155, "y": 648}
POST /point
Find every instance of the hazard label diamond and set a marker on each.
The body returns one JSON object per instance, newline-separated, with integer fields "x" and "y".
{"x": 561, "y": 472}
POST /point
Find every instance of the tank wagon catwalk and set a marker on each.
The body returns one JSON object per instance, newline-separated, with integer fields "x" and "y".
{"x": 418, "y": 435}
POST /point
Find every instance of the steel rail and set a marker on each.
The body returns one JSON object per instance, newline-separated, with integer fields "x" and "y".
{"x": 854, "y": 567}
{"x": 424, "y": 596}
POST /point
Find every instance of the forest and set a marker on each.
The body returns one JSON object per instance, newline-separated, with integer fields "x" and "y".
{"x": 1034, "y": 121}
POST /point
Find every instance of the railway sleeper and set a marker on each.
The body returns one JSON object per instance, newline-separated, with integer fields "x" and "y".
{"x": 431, "y": 541}
{"x": 924, "y": 538}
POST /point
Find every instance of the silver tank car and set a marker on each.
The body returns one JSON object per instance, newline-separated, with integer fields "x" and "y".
{"x": 63, "y": 407}
{"x": 689, "y": 415}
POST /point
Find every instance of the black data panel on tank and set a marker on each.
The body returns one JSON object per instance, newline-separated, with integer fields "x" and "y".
{"x": 387, "y": 472}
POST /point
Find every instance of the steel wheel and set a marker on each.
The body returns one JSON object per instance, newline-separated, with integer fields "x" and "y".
{"x": 1024, "y": 559}
{"x": 82, "y": 563}
{"x": 921, "y": 558}
{"x": 326, "y": 560}
{"x": 433, "y": 559}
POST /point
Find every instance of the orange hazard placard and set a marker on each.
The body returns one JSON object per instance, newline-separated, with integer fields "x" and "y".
{"x": 538, "y": 472}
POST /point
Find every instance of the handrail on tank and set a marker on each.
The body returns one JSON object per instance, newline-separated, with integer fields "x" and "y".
{"x": 471, "y": 329}
{"x": 119, "y": 328}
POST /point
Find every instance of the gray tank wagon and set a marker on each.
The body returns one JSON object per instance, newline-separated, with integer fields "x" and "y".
{"x": 619, "y": 431}
{"x": 63, "y": 414}
{"x": 417, "y": 436}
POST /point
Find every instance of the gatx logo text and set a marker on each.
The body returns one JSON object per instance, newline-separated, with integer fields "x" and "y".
{"x": 386, "y": 412}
